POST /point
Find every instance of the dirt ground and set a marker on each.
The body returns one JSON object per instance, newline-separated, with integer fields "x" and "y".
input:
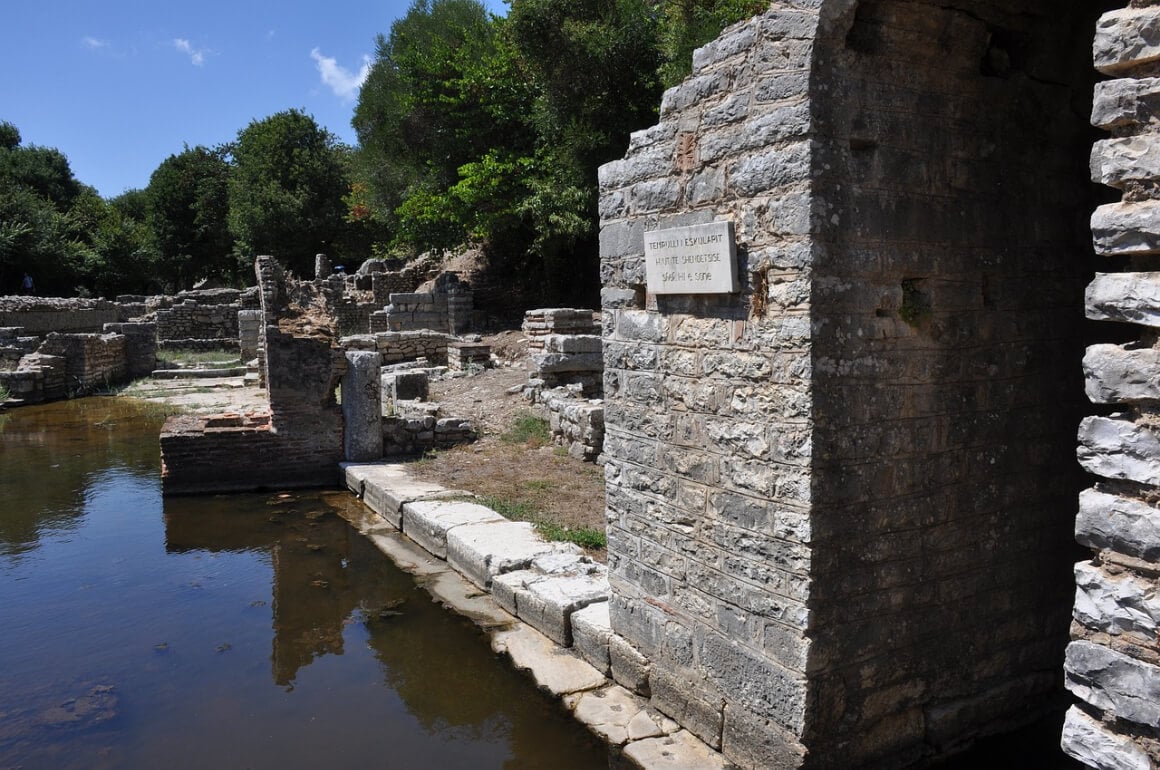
{"x": 530, "y": 474}
{"x": 539, "y": 479}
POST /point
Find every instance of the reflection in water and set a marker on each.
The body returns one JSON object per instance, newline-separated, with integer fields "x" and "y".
{"x": 234, "y": 631}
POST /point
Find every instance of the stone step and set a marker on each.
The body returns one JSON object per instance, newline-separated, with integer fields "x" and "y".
{"x": 547, "y": 594}
{"x": 1125, "y": 297}
{"x": 1115, "y": 374}
{"x": 429, "y": 523}
{"x": 1126, "y": 228}
{"x": 483, "y": 551}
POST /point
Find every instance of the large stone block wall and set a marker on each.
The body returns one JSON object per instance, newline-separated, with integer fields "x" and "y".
{"x": 446, "y": 307}
{"x": 833, "y": 498}
{"x": 194, "y": 320}
{"x": 41, "y": 315}
{"x": 1113, "y": 661}
{"x": 92, "y": 361}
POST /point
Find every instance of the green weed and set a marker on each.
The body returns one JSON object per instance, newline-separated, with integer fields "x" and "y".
{"x": 519, "y": 510}
{"x": 528, "y": 429}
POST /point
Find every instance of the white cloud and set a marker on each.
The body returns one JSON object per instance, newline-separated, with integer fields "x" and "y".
{"x": 94, "y": 43}
{"x": 196, "y": 55}
{"x": 344, "y": 83}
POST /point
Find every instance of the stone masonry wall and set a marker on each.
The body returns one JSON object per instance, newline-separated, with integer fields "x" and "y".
{"x": 833, "y": 498}
{"x": 948, "y": 272}
{"x": 299, "y": 440}
{"x": 41, "y": 315}
{"x": 1113, "y": 661}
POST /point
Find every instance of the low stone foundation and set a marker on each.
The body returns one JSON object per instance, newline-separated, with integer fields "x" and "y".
{"x": 413, "y": 435}
{"x": 396, "y": 347}
{"x": 576, "y": 422}
{"x": 543, "y": 322}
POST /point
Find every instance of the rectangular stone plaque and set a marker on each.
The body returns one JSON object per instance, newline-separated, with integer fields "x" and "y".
{"x": 701, "y": 259}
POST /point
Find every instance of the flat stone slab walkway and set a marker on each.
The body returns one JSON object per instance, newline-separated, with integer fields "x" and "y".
{"x": 543, "y": 604}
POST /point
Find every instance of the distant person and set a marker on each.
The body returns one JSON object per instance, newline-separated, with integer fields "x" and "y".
{"x": 26, "y": 286}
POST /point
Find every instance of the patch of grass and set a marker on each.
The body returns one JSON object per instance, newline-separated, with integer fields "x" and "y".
{"x": 537, "y": 485}
{"x": 516, "y": 510}
{"x": 182, "y": 358}
{"x": 5, "y": 394}
{"x": 521, "y": 510}
{"x": 529, "y": 430}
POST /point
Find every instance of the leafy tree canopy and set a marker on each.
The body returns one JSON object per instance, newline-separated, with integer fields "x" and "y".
{"x": 286, "y": 190}
{"x": 187, "y": 212}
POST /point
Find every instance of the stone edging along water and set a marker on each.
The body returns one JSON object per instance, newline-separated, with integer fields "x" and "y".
{"x": 543, "y": 604}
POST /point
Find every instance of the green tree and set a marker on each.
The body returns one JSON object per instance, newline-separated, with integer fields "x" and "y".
{"x": 123, "y": 257}
{"x": 595, "y": 63}
{"x": 445, "y": 90}
{"x": 187, "y": 208}
{"x": 38, "y": 232}
{"x": 689, "y": 24}
{"x": 286, "y": 190}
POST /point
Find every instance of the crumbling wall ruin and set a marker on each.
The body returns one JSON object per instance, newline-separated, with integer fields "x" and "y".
{"x": 834, "y": 496}
{"x": 1113, "y": 661}
{"x": 299, "y": 441}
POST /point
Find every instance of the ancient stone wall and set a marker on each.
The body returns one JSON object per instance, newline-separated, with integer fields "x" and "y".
{"x": 396, "y": 347}
{"x": 1113, "y": 661}
{"x": 92, "y": 361}
{"x": 543, "y": 322}
{"x": 299, "y": 441}
{"x": 446, "y": 307}
{"x": 410, "y": 435}
{"x": 189, "y": 323}
{"x": 41, "y": 315}
{"x": 834, "y": 496}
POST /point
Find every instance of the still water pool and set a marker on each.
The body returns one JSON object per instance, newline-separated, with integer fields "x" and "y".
{"x": 240, "y": 631}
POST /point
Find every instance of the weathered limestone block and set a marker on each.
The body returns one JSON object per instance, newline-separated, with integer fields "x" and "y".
{"x": 1113, "y": 682}
{"x": 1126, "y": 38}
{"x": 406, "y": 386}
{"x": 1115, "y": 374}
{"x": 1119, "y": 449}
{"x": 1122, "y": 524}
{"x": 1116, "y": 604}
{"x": 430, "y": 523}
{"x": 1126, "y": 228}
{"x": 618, "y": 716}
{"x": 362, "y": 407}
{"x": 546, "y": 601}
{"x": 679, "y": 751}
{"x": 699, "y": 709}
{"x": 591, "y": 630}
{"x": 1125, "y": 297}
{"x": 386, "y": 487}
{"x": 1126, "y": 102}
{"x": 555, "y": 670}
{"x": 629, "y": 667}
{"x": 1117, "y": 161}
{"x": 1093, "y": 744}
{"x": 483, "y": 550}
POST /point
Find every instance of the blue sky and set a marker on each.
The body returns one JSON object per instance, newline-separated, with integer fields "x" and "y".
{"x": 119, "y": 85}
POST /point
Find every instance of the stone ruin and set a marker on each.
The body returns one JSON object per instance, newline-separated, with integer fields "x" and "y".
{"x": 56, "y": 348}
{"x": 838, "y": 494}
{"x": 567, "y": 376}
{"x": 305, "y": 433}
